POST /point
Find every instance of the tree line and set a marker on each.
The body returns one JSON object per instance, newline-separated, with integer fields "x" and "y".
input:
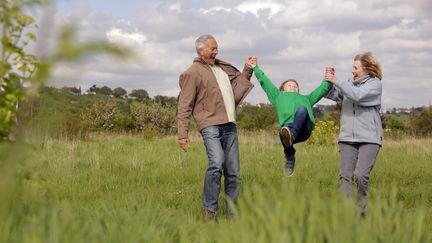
{"x": 60, "y": 113}
{"x": 121, "y": 93}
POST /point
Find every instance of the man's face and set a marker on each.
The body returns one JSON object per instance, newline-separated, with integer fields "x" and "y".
{"x": 208, "y": 54}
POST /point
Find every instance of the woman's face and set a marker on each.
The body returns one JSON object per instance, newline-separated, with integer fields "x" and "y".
{"x": 358, "y": 70}
{"x": 290, "y": 87}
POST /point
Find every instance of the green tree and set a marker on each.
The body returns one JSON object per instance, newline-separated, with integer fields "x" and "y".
{"x": 139, "y": 94}
{"x": 105, "y": 90}
{"x": 165, "y": 100}
{"x": 119, "y": 92}
{"x": 93, "y": 89}
{"x": 257, "y": 117}
{"x": 422, "y": 125}
{"x": 16, "y": 65}
{"x": 73, "y": 90}
{"x": 393, "y": 122}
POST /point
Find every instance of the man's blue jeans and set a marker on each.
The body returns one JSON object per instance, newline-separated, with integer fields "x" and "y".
{"x": 221, "y": 144}
{"x": 301, "y": 129}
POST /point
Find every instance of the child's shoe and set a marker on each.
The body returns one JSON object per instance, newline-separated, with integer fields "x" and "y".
{"x": 286, "y": 137}
{"x": 289, "y": 165}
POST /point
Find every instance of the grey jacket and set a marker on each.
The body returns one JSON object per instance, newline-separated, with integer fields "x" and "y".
{"x": 360, "y": 118}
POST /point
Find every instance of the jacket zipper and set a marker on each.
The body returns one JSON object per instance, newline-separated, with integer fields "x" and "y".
{"x": 353, "y": 121}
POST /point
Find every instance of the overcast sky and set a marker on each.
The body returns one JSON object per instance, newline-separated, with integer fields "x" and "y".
{"x": 292, "y": 39}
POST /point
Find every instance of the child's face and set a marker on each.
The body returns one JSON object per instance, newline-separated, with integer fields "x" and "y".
{"x": 290, "y": 87}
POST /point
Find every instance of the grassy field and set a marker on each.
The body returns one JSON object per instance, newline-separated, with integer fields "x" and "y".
{"x": 129, "y": 189}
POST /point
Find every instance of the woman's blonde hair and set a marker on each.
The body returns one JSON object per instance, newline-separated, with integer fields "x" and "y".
{"x": 289, "y": 80}
{"x": 370, "y": 64}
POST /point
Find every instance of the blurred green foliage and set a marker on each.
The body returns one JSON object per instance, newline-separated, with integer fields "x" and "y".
{"x": 17, "y": 66}
{"x": 22, "y": 72}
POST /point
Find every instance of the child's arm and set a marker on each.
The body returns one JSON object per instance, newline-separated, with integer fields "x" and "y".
{"x": 319, "y": 92}
{"x": 269, "y": 88}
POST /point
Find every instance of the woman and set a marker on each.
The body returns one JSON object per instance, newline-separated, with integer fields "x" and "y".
{"x": 361, "y": 134}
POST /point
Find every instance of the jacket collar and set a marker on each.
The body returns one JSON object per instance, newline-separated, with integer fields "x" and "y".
{"x": 217, "y": 61}
{"x": 361, "y": 80}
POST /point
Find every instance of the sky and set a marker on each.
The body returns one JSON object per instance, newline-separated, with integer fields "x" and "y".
{"x": 292, "y": 39}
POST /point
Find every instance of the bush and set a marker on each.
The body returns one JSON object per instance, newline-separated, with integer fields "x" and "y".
{"x": 152, "y": 116}
{"x": 422, "y": 125}
{"x": 324, "y": 133}
{"x": 257, "y": 117}
{"x": 101, "y": 116}
{"x": 392, "y": 122}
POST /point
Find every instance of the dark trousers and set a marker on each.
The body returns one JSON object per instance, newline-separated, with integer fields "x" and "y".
{"x": 301, "y": 129}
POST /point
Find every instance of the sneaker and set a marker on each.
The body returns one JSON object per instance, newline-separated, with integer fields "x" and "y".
{"x": 289, "y": 166}
{"x": 286, "y": 137}
{"x": 209, "y": 215}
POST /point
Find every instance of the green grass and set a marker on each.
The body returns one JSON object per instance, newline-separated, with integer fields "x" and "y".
{"x": 129, "y": 189}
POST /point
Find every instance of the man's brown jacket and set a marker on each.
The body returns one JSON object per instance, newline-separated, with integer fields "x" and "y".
{"x": 200, "y": 94}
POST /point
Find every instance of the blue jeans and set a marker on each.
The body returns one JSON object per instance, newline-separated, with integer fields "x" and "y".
{"x": 221, "y": 145}
{"x": 301, "y": 129}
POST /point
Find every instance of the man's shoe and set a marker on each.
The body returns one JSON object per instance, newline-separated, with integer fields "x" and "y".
{"x": 286, "y": 137}
{"x": 209, "y": 215}
{"x": 289, "y": 165}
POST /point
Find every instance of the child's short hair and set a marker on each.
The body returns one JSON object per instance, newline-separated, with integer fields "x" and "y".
{"x": 289, "y": 80}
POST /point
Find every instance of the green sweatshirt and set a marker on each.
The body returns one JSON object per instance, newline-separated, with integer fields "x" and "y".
{"x": 287, "y": 103}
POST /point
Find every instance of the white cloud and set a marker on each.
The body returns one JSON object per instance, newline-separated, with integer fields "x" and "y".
{"x": 255, "y": 7}
{"x": 128, "y": 39}
{"x": 176, "y": 7}
{"x": 321, "y": 46}
{"x": 214, "y": 10}
{"x": 292, "y": 39}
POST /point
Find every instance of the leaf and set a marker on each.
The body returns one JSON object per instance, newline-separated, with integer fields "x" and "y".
{"x": 31, "y": 36}
{"x": 23, "y": 20}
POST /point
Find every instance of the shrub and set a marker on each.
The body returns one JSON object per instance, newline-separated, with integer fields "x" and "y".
{"x": 100, "y": 116}
{"x": 393, "y": 123}
{"x": 152, "y": 116}
{"x": 422, "y": 125}
{"x": 324, "y": 133}
{"x": 257, "y": 117}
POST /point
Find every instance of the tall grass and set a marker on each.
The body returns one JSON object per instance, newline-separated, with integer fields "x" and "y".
{"x": 130, "y": 189}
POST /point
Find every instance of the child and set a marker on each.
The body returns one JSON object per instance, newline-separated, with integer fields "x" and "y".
{"x": 294, "y": 112}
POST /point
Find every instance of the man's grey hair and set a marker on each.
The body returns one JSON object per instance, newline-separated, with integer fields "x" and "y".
{"x": 201, "y": 42}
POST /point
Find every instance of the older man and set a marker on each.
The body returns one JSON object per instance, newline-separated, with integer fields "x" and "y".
{"x": 211, "y": 89}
